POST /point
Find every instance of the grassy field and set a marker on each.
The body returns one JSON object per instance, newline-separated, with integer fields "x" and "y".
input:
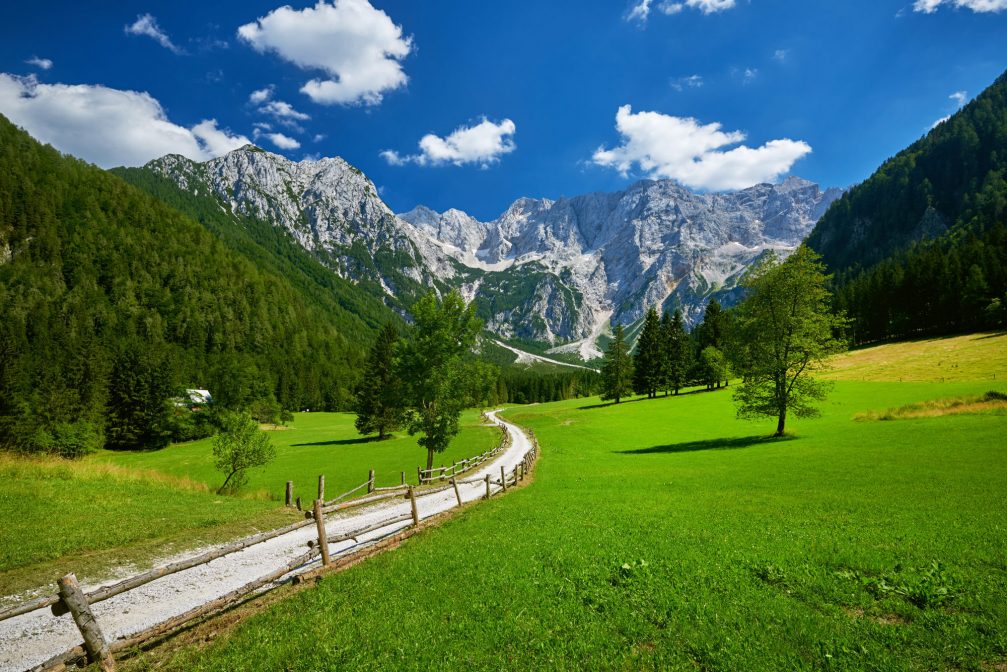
{"x": 665, "y": 534}
{"x": 120, "y": 508}
{"x": 972, "y": 357}
{"x": 314, "y": 444}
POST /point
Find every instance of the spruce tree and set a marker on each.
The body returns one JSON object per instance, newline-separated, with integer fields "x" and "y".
{"x": 378, "y": 395}
{"x": 617, "y": 372}
{"x": 679, "y": 353}
{"x": 647, "y": 360}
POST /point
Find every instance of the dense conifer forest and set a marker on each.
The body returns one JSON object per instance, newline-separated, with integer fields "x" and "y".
{"x": 112, "y": 302}
{"x": 921, "y": 246}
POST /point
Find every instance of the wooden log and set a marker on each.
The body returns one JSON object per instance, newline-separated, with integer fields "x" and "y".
{"x": 288, "y": 499}
{"x": 323, "y": 541}
{"x": 211, "y": 607}
{"x": 503, "y": 478}
{"x": 487, "y": 486}
{"x": 412, "y": 501}
{"x": 94, "y": 641}
{"x": 370, "y": 481}
{"x": 364, "y": 530}
{"x": 458, "y": 495}
{"x": 130, "y": 583}
{"x": 321, "y": 487}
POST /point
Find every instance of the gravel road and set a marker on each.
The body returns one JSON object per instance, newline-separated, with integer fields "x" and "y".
{"x": 33, "y": 638}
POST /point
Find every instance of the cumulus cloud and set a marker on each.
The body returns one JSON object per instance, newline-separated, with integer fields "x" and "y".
{"x": 979, "y": 6}
{"x": 146, "y": 24}
{"x": 780, "y": 55}
{"x": 358, "y": 46}
{"x": 280, "y": 140}
{"x": 109, "y": 127}
{"x": 482, "y": 144}
{"x": 639, "y": 11}
{"x": 696, "y": 155}
{"x": 260, "y": 96}
{"x": 41, "y": 63}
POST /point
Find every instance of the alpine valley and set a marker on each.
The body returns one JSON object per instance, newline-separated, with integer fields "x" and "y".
{"x": 551, "y": 275}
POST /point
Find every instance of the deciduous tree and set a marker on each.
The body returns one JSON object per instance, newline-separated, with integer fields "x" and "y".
{"x": 238, "y": 447}
{"x": 785, "y": 331}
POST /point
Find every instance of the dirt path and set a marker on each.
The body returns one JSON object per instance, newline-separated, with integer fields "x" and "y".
{"x": 33, "y": 638}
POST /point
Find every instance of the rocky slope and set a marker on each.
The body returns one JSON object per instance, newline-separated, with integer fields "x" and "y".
{"x": 547, "y": 271}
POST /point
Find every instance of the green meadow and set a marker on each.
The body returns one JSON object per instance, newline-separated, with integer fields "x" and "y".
{"x": 115, "y": 509}
{"x": 665, "y": 534}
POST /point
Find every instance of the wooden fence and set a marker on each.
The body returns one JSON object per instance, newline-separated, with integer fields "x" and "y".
{"x": 96, "y": 649}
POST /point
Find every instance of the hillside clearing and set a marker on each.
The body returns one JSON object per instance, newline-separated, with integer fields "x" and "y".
{"x": 934, "y": 360}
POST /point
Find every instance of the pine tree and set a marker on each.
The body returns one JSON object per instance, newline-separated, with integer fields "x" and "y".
{"x": 647, "y": 360}
{"x": 379, "y": 394}
{"x": 679, "y": 353}
{"x": 617, "y": 372}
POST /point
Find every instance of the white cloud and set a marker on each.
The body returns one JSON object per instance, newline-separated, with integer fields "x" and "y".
{"x": 283, "y": 141}
{"x": 283, "y": 111}
{"x": 640, "y": 11}
{"x": 692, "y": 82}
{"x": 780, "y": 55}
{"x": 670, "y": 8}
{"x": 360, "y": 47}
{"x": 42, "y": 63}
{"x": 146, "y": 24}
{"x": 260, "y": 96}
{"x": 318, "y": 137}
{"x": 696, "y": 155}
{"x": 959, "y": 98}
{"x": 481, "y": 144}
{"x": 981, "y": 6}
{"x": 749, "y": 74}
{"x": 109, "y": 127}
{"x": 710, "y": 6}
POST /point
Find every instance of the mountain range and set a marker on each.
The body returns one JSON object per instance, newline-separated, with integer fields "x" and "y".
{"x": 550, "y": 273}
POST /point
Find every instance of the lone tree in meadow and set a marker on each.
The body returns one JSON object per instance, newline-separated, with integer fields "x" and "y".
{"x": 238, "y": 447}
{"x": 785, "y": 332}
{"x": 617, "y": 372}
{"x": 649, "y": 358}
{"x": 434, "y": 369}
{"x": 712, "y": 367}
{"x": 378, "y": 395}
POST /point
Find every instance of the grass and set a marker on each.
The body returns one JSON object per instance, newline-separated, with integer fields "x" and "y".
{"x": 665, "y": 534}
{"x": 60, "y": 516}
{"x": 311, "y": 445}
{"x": 954, "y": 358}
{"x": 126, "y": 508}
{"x": 989, "y": 403}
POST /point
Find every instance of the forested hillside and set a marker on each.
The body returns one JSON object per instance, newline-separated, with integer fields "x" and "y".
{"x": 919, "y": 247}
{"x": 111, "y": 301}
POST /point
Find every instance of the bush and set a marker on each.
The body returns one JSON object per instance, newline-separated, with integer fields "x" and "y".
{"x": 66, "y": 439}
{"x": 993, "y": 395}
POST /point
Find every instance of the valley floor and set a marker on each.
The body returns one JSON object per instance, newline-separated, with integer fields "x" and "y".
{"x": 665, "y": 534}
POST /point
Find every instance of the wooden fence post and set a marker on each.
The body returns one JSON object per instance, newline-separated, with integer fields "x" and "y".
{"x": 487, "y": 486}
{"x": 299, "y": 503}
{"x": 419, "y": 476}
{"x": 412, "y": 501}
{"x": 458, "y": 495}
{"x": 321, "y": 487}
{"x": 288, "y": 499}
{"x": 403, "y": 478}
{"x": 94, "y": 641}
{"x": 503, "y": 478}
{"x": 323, "y": 540}
{"x": 442, "y": 472}
{"x": 370, "y": 481}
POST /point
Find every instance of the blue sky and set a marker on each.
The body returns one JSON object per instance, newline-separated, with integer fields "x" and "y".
{"x": 824, "y": 90}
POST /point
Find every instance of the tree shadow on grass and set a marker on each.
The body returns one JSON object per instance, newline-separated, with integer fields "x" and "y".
{"x": 709, "y": 444}
{"x": 642, "y": 398}
{"x": 344, "y": 442}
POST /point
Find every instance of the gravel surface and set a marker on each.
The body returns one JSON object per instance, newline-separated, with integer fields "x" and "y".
{"x": 33, "y": 638}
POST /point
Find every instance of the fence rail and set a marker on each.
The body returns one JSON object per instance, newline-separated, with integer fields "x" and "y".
{"x": 96, "y": 650}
